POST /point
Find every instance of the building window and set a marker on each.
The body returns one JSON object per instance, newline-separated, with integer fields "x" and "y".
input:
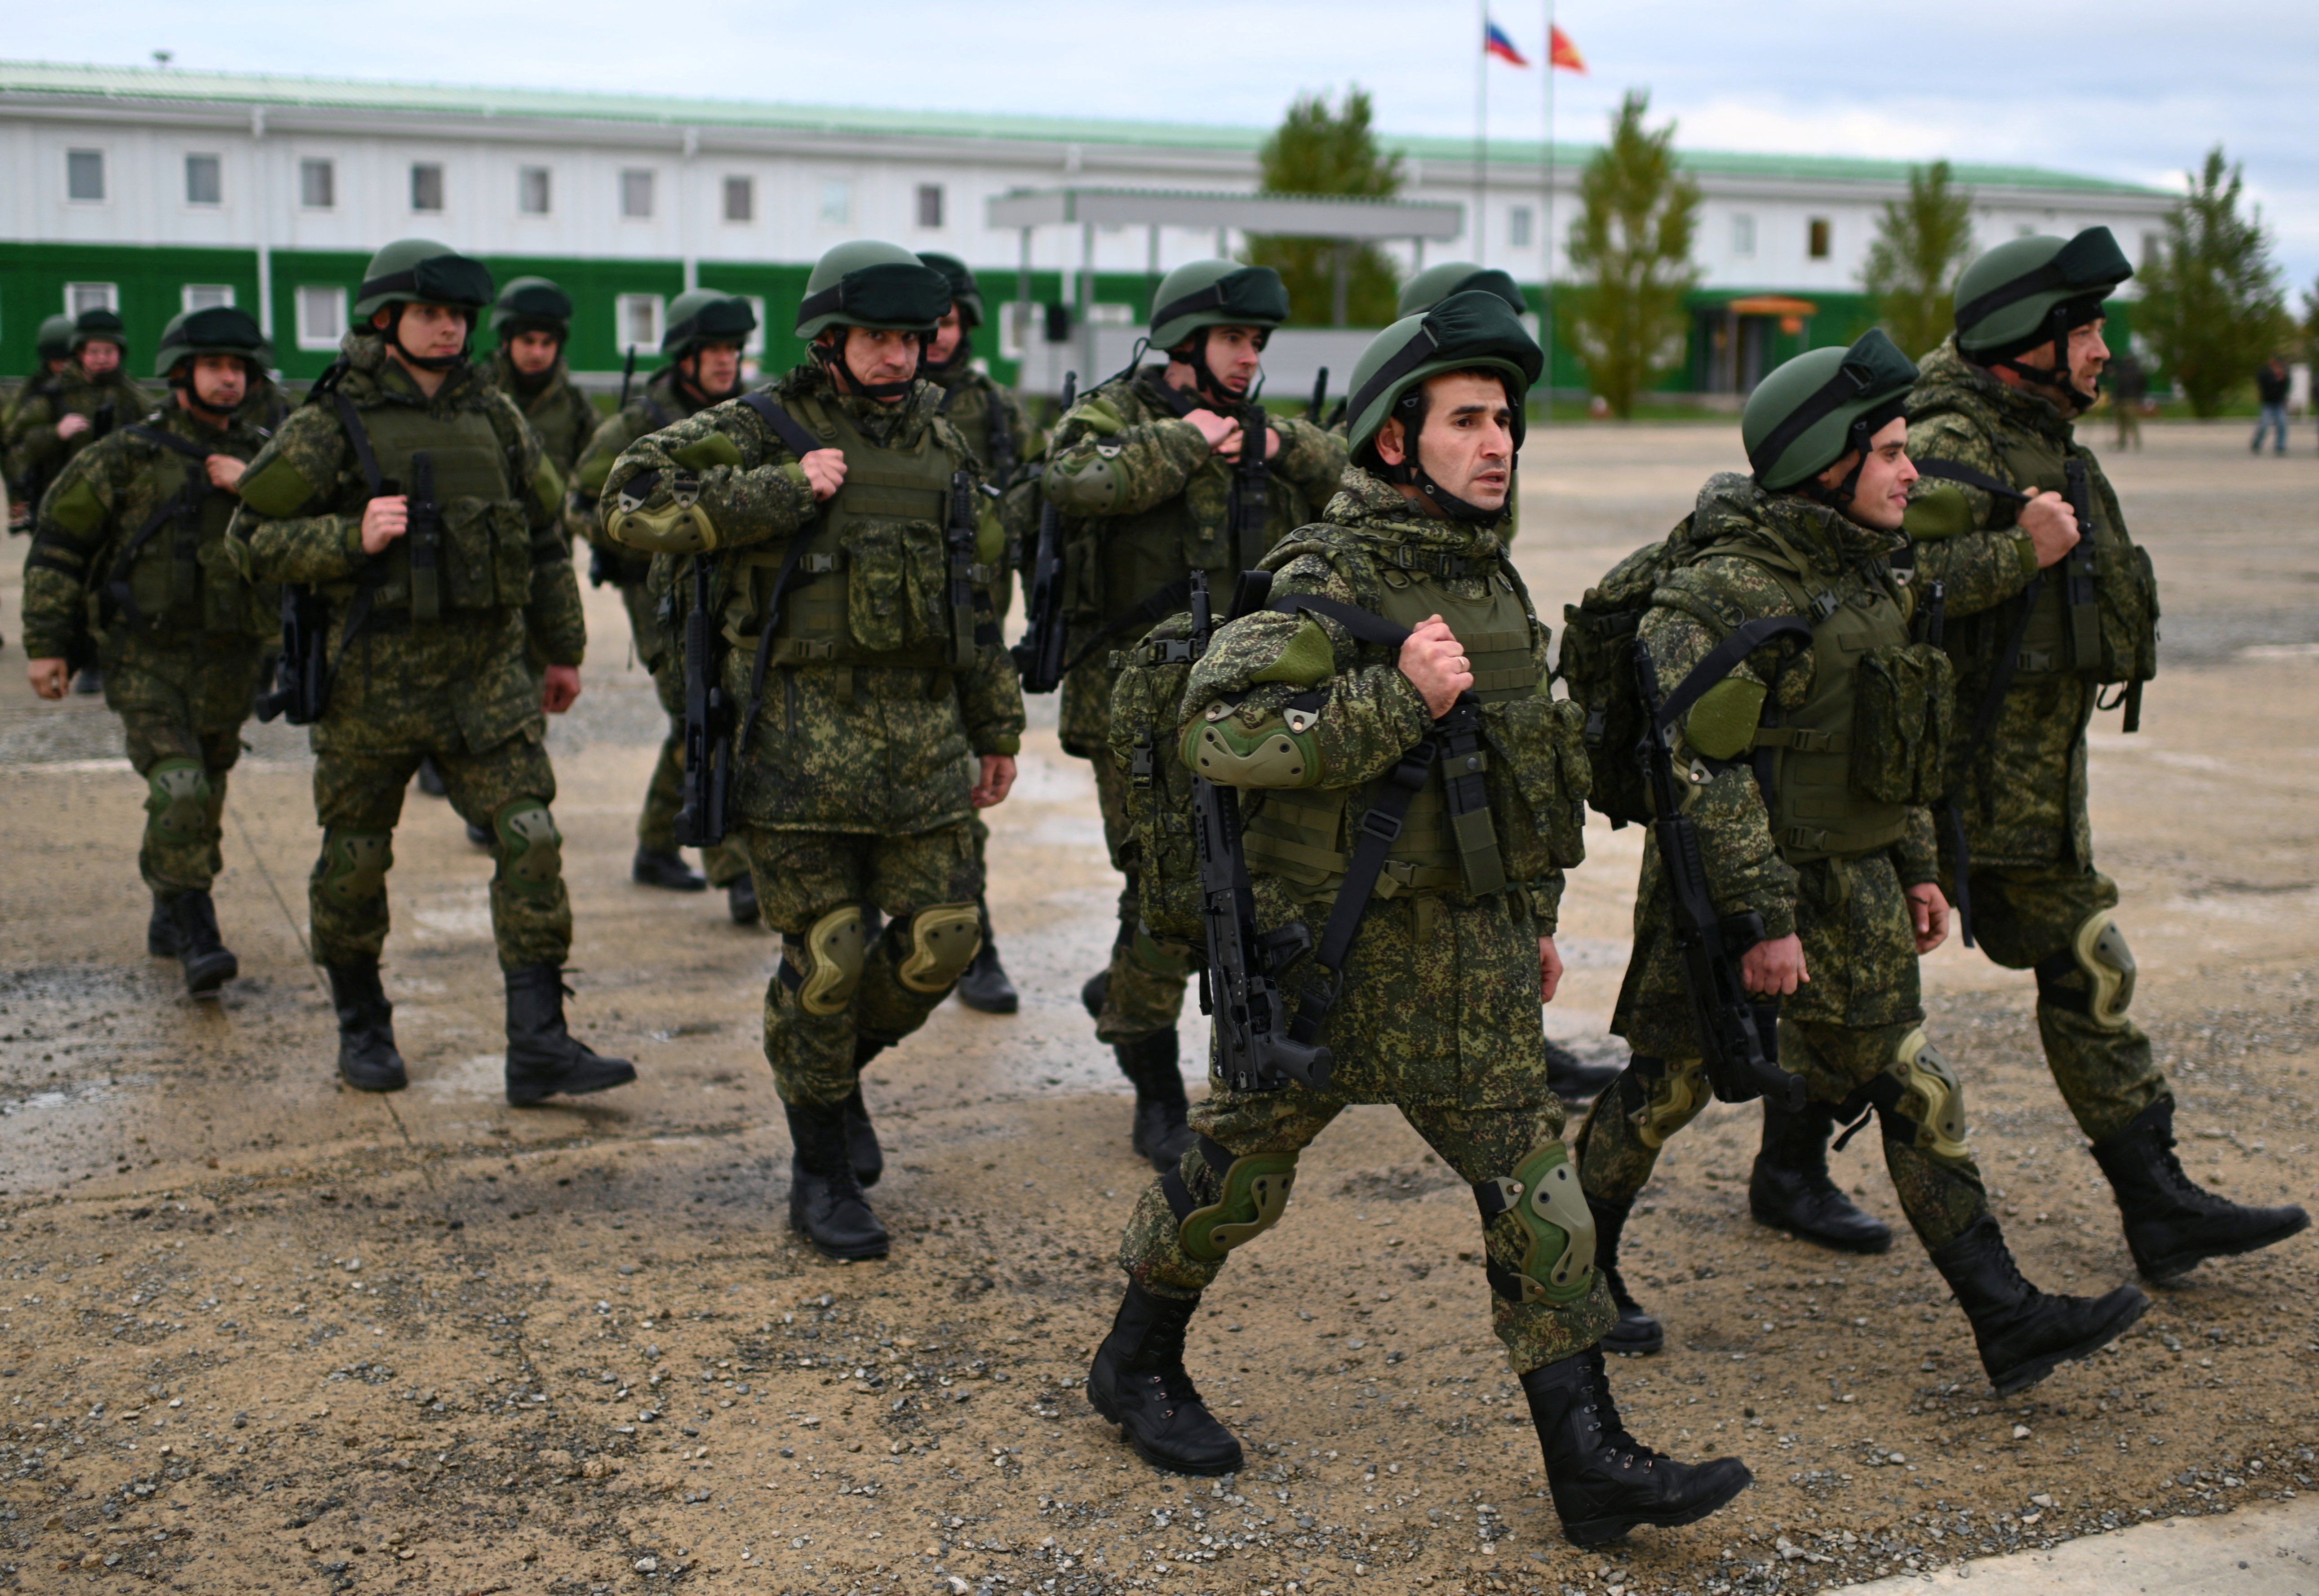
{"x": 531, "y": 191}
{"x": 1743, "y": 236}
{"x": 205, "y": 296}
{"x": 84, "y": 174}
{"x": 427, "y": 186}
{"x": 205, "y": 180}
{"x": 92, "y": 296}
{"x": 1518, "y": 225}
{"x": 836, "y": 201}
{"x": 740, "y": 199}
{"x": 1816, "y": 238}
{"x": 930, "y": 204}
{"x": 637, "y": 193}
{"x": 317, "y": 186}
{"x": 321, "y": 317}
{"x": 638, "y": 320}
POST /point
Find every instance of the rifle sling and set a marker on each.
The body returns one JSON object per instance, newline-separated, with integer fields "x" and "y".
{"x": 186, "y": 501}
{"x": 800, "y": 442}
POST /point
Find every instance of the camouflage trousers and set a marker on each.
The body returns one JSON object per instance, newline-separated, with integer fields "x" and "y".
{"x": 358, "y": 799}
{"x": 2025, "y": 916}
{"x": 805, "y": 875}
{"x": 183, "y": 701}
{"x": 1145, "y": 990}
{"x": 1477, "y": 1143}
{"x": 656, "y": 826}
{"x": 1618, "y": 1145}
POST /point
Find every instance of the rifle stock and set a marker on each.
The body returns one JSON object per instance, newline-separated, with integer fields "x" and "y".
{"x": 1039, "y": 657}
{"x": 708, "y": 741}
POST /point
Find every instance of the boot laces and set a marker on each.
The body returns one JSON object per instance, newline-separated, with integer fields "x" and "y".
{"x": 2176, "y": 1183}
{"x": 1163, "y": 1366}
{"x": 1616, "y": 1446}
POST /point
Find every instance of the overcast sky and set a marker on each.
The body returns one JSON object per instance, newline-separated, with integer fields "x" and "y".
{"x": 2133, "y": 89}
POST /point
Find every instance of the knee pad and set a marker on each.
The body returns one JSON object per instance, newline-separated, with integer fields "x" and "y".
{"x": 531, "y": 850}
{"x": 1671, "y": 1098}
{"x": 1928, "y": 1112}
{"x": 177, "y": 796}
{"x": 1255, "y": 1194}
{"x": 826, "y": 971}
{"x": 943, "y": 940}
{"x": 2094, "y": 976}
{"x": 355, "y": 864}
{"x": 1543, "y": 1194}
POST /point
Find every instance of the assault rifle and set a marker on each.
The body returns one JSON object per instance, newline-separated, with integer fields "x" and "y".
{"x": 959, "y": 541}
{"x": 1319, "y": 398}
{"x": 1238, "y": 984}
{"x": 424, "y": 538}
{"x": 1737, "y": 1033}
{"x": 1249, "y": 510}
{"x": 708, "y": 739}
{"x": 1039, "y": 657}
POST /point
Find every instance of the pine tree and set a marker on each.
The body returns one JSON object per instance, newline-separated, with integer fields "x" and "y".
{"x": 1630, "y": 248}
{"x": 1317, "y": 149}
{"x": 2211, "y": 306}
{"x": 1922, "y": 243}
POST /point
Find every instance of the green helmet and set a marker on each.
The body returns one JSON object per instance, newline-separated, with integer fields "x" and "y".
{"x": 531, "y": 304}
{"x": 2009, "y": 299}
{"x": 965, "y": 293}
{"x": 55, "y": 338}
{"x": 706, "y": 316}
{"x": 1435, "y": 284}
{"x": 427, "y": 271}
{"x": 1475, "y": 331}
{"x": 867, "y": 283}
{"x": 221, "y": 330}
{"x": 1216, "y": 293}
{"x": 1809, "y": 412}
{"x": 98, "y": 326}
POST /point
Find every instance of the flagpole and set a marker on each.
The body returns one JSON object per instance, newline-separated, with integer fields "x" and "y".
{"x": 1546, "y": 312}
{"x": 1482, "y": 139}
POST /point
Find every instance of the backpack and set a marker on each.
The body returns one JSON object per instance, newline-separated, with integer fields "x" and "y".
{"x": 1596, "y": 664}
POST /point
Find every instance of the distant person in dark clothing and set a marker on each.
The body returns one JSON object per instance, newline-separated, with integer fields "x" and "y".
{"x": 2129, "y": 390}
{"x": 2271, "y": 393}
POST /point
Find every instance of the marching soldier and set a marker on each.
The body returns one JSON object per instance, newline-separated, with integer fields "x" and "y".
{"x": 52, "y": 422}
{"x": 54, "y": 348}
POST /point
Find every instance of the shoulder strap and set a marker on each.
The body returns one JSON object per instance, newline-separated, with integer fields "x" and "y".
{"x": 1724, "y": 658}
{"x": 359, "y": 436}
{"x": 786, "y": 427}
{"x": 658, "y": 412}
{"x": 1363, "y": 624}
{"x": 1949, "y": 471}
{"x": 168, "y": 440}
{"x": 800, "y": 442}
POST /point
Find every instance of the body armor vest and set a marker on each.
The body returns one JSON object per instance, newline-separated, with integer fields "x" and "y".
{"x": 1132, "y": 558}
{"x": 180, "y": 578}
{"x": 1300, "y": 834}
{"x": 2054, "y": 641}
{"x": 483, "y": 545}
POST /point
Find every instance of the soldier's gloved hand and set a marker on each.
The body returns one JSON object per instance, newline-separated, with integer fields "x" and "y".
{"x": 72, "y": 427}
{"x": 560, "y": 690}
{"x": 1549, "y": 969}
{"x": 2051, "y": 526}
{"x": 1930, "y": 911}
{"x": 998, "y": 781}
{"x": 225, "y": 472}
{"x": 824, "y": 471}
{"x": 1436, "y": 665}
{"x": 1217, "y": 429}
{"x": 1775, "y": 968}
{"x": 384, "y": 521}
{"x": 47, "y": 677}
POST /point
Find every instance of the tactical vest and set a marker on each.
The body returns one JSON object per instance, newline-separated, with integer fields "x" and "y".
{"x": 483, "y": 549}
{"x": 1300, "y": 834}
{"x": 173, "y": 572}
{"x": 872, "y": 585}
{"x": 2108, "y": 630}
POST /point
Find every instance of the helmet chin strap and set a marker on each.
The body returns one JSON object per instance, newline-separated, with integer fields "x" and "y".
{"x": 182, "y": 379}
{"x": 1204, "y": 377}
{"x": 691, "y": 386}
{"x": 2057, "y": 378}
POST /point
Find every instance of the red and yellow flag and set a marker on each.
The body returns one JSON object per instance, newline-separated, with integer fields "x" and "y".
{"x": 1561, "y": 52}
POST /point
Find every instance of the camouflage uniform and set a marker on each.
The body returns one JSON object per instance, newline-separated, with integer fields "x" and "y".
{"x": 853, "y": 785}
{"x": 35, "y": 453}
{"x": 1145, "y": 499}
{"x": 968, "y": 399}
{"x": 663, "y": 403}
{"x": 182, "y": 659}
{"x": 464, "y": 688}
{"x": 564, "y": 417}
{"x": 1440, "y": 1011}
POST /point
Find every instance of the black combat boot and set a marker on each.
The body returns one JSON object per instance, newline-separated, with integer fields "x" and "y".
{"x": 741, "y": 898}
{"x": 544, "y": 1059}
{"x": 666, "y": 871}
{"x": 984, "y": 987}
{"x": 1791, "y": 1190}
{"x": 1604, "y": 1481}
{"x": 209, "y": 963}
{"x": 2172, "y": 1224}
{"x": 2026, "y": 1333}
{"x": 367, "y": 1059}
{"x": 862, "y": 1148}
{"x": 1636, "y": 1333}
{"x": 160, "y": 936}
{"x": 481, "y": 836}
{"x": 430, "y": 778}
{"x": 1140, "y": 1383}
{"x": 1573, "y": 1079}
{"x": 1152, "y": 1063}
{"x": 825, "y": 1201}
{"x": 1094, "y": 993}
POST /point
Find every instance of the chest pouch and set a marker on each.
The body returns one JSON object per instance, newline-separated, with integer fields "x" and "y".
{"x": 1539, "y": 779}
{"x": 1903, "y": 698}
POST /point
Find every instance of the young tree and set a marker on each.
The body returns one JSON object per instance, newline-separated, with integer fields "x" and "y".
{"x": 1631, "y": 248}
{"x": 1317, "y": 149}
{"x": 2211, "y": 306}
{"x": 1922, "y": 243}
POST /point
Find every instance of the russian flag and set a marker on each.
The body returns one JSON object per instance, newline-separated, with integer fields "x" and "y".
{"x": 1494, "y": 43}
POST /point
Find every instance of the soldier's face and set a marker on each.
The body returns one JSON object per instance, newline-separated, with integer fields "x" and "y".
{"x": 714, "y": 368}
{"x": 221, "y": 382}
{"x": 98, "y": 356}
{"x": 947, "y": 333}
{"x": 876, "y": 354}
{"x": 532, "y": 353}
{"x": 1234, "y": 353}
{"x": 1467, "y": 441}
{"x": 432, "y": 332}
{"x": 2089, "y": 355}
{"x": 1880, "y": 498}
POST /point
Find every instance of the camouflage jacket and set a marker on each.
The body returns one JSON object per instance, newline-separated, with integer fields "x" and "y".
{"x": 661, "y": 404}
{"x": 1851, "y": 913}
{"x": 105, "y": 496}
{"x": 559, "y": 412}
{"x": 841, "y": 748}
{"x": 2023, "y": 792}
{"x": 969, "y": 397}
{"x": 35, "y": 453}
{"x": 1145, "y": 499}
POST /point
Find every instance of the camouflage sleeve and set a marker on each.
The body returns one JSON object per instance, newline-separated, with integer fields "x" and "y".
{"x": 75, "y": 522}
{"x": 33, "y": 442}
{"x": 1098, "y": 465}
{"x": 1030, "y": 437}
{"x": 582, "y": 514}
{"x": 719, "y": 479}
{"x": 1978, "y": 565}
{"x": 276, "y": 535}
{"x": 554, "y": 619}
{"x": 990, "y": 701}
{"x": 1917, "y": 855}
{"x": 1312, "y": 459}
{"x": 539, "y": 485}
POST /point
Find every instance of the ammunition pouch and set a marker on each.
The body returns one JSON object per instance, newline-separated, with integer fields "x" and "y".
{"x": 1903, "y": 698}
{"x": 1543, "y": 1194}
{"x": 1255, "y": 1194}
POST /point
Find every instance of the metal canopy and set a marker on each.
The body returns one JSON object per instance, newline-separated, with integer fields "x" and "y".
{"x": 1294, "y": 215}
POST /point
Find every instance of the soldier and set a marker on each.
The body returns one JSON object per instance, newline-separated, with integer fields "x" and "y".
{"x": 2011, "y": 505}
{"x": 1000, "y": 432}
{"x": 532, "y": 320}
{"x": 412, "y": 497}
{"x": 865, "y": 659}
{"x": 132, "y": 536}
{"x": 1838, "y": 864}
{"x": 706, "y": 331}
{"x": 1143, "y": 467}
{"x": 54, "y": 346}
{"x": 1329, "y": 706}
